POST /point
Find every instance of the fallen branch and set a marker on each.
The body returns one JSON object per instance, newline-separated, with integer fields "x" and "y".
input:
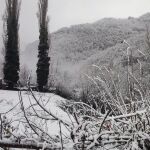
{"x": 9, "y": 144}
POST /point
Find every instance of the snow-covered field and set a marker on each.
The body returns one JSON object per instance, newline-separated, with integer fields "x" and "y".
{"x": 9, "y": 104}
{"x": 126, "y": 131}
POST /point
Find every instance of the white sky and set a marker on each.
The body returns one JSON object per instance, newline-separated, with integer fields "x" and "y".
{"x": 68, "y": 12}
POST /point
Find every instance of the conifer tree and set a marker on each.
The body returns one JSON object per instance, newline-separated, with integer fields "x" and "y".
{"x": 43, "y": 48}
{"x": 11, "y": 43}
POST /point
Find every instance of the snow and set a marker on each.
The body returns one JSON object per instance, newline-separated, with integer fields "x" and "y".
{"x": 115, "y": 129}
{"x": 10, "y": 99}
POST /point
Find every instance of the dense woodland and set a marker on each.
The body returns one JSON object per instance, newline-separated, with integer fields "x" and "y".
{"x": 74, "y": 50}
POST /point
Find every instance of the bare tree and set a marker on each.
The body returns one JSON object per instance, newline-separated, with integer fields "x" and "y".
{"x": 24, "y": 75}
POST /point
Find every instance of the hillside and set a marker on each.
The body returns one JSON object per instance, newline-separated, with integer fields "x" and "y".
{"x": 76, "y": 47}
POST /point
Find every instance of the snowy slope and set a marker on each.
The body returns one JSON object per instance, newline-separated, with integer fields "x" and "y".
{"x": 10, "y": 99}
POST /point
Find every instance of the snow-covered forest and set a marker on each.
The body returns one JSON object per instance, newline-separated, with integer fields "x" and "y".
{"x": 83, "y": 87}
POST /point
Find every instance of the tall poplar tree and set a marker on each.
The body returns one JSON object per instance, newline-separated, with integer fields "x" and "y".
{"x": 43, "y": 48}
{"x": 11, "y": 43}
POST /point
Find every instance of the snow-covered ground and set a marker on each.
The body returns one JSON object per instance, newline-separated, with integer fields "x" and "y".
{"x": 10, "y": 99}
{"x": 106, "y": 132}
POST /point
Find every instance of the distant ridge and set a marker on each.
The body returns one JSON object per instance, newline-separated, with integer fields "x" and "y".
{"x": 74, "y": 47}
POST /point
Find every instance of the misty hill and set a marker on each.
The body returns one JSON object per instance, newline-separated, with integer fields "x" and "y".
{"x": 79, "y": 46}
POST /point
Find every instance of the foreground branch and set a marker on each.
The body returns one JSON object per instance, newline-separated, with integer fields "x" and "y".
{"x": 5, "y": 144}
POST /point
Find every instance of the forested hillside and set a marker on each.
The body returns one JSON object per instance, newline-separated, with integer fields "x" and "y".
{"x": 75, "y": 48}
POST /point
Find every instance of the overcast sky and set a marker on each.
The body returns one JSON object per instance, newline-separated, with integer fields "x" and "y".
{"x": 68, "y": 12}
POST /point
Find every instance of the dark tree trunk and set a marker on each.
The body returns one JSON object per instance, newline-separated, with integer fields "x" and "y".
{"x": 11, "y": 43}
{"x": 43, "y": 48}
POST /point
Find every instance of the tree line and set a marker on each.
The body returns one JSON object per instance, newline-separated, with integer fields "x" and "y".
{"x": 11, "y": 66}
